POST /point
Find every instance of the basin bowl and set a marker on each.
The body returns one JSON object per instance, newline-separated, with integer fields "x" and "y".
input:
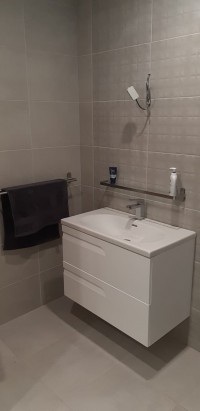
{"x": 146, "y": 237}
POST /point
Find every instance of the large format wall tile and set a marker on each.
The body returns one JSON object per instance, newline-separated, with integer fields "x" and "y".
{"x": 15, "y": 167}
{"x": 17, "y": 265}
{"x": 116, "y": 70}
{"x": 50, "y": 163}
{"x": 175, "y": 67}
{"x": 19, "y": 298}
{"x": 15, "y": 133}
{"x": 87, "y": 166}
{"x": 84, "y": 27}
{"x": 50, "y": 255}
{"x": 13, "y": 82}
{"x": 85, "y": 78}
{"x": 119, "y": 23}
{"x": 53, "y": 77}
{"x": 86, "y": 123}
{"x": 175, "y": 18}
{"x": 52, "y": 284}
{"x": 54, "y": 124}
{"x": 120, "y": 125}
{"x": 51, "y": 26}
{"x": 11, "y": 23}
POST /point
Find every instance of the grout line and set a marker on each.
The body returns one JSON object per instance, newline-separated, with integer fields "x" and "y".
{"x": 149, "y": 119}
{"x": 146, "y": 43}
{"x": 50, "y": 268}
{"x": 39, "y": 148}
{"x": 20, "y": 281}
{"x": 92, "y": 88}
{"x": 30, "y": 135}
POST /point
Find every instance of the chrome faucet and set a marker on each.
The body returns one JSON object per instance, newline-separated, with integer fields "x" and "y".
{"x": 139, "y": 206}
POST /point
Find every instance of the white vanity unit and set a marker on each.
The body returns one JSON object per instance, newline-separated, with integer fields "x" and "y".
{"x": 136, "y": 275}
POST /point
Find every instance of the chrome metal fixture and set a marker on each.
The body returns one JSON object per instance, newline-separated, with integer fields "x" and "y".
{"x": 139, "y": 206}
{"x": 134, "y": 95}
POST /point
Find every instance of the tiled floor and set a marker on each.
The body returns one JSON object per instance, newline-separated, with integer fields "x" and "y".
{"x": 61, "y": 358}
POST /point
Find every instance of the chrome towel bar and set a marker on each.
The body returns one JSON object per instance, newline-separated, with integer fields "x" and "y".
{"x": 69, "y": 180}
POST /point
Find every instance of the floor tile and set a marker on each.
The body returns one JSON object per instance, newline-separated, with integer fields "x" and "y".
{"x": 40, "y": 398}
{"x": 33, "y": 331}
{"x": 180, "y": 376}
{"x": 7, "y": 358}
{"x": 192, "y": 402}
{"x": 179, "y": 408}
{"x": 69, "y": 365}
{"x": 14, "y": 384}
{"x": 118, "y": 389}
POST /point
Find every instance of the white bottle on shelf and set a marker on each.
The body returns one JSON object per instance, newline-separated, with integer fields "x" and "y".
{"x": 173, "y": 182}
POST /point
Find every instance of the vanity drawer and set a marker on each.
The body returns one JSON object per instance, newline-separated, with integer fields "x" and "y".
{"x": 116, "y": 266}
{"x": 119, "y": 309}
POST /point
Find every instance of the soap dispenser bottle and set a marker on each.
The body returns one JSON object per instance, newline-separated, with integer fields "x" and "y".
{"x": 173, "y": 182}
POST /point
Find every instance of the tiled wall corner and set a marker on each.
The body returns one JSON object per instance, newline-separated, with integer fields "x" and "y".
{"x": 85, "y": 71}
{"x": 40, "y": 133}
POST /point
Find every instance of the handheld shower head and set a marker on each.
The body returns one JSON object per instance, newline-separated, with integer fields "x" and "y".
{"x": 134, "y": 95}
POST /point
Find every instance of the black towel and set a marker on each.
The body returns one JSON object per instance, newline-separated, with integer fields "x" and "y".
{"x": 31, "y": 213}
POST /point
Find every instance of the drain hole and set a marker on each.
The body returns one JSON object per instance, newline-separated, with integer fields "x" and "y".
{"x": 126, "y": 239}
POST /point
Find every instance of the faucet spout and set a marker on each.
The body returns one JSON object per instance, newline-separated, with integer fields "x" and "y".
{"x": 139, "y": 206}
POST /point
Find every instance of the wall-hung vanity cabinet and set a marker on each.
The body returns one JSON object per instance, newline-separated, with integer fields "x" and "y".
{"x": 136, "y": 275}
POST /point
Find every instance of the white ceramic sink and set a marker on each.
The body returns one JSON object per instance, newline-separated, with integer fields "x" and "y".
{"x": 146, "y": 237}
{"x": 123, "y": 226}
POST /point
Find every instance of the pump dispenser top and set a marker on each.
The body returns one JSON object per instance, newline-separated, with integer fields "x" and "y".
{"x": 173, "y": 182}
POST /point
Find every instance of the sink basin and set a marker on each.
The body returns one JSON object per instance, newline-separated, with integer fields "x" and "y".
{"x": 146, "y": 237}
{"x": 123, "y": 227}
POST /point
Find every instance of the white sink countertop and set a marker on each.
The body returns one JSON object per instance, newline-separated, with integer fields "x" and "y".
{"x": 145, "y": 237}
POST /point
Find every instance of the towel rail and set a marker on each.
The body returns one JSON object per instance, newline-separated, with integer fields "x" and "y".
{"x": 68, "y": 180}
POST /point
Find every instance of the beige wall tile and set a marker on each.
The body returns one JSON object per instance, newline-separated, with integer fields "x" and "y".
{"x": 194, "y": 331}
{"x": 14, "y": 123}
{"x": 116, "y": 70}
{"x": 120, "y": 125}
{"x": 19, "y": 298}
{"x": 12, "y": 74}
{"x": 84, "y": 27}
{"x": 75, "y": 199}
{"x": 166, "y": 213}
{"x": 50, "y": 255}
{"x": 86, "y": 123}
{"x": 119, "y": 23}
{"x": 51, "y": 26}
{"x": 87, "y": 166}
{"x": 175, "y": 67}
{"x": 15, "y": 167}
{"x": 11, "y": 23}
{"x": 18, "y": 265}
{"x": 196, "y": 287}
{"x": 175, "y": 18}
{"x": 52, "y": 284}
{"x": 87, "y": 198}
{"x": 50, "y": 163}
{"x": 54, "y": 124}
{"x": 85, "y": 78}
{"x": 53, "y": 77}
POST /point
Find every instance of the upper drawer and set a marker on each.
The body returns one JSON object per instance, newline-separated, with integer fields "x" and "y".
{"x": 123, "y": 269}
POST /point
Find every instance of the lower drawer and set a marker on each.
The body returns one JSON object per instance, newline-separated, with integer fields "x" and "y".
{"x": 117, "y": 308}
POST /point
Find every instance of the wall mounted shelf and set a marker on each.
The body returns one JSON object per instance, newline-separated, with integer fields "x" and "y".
{"x": 180, "y": 196}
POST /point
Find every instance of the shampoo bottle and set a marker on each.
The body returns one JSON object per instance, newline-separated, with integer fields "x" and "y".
{"x": 173, "y": 182}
